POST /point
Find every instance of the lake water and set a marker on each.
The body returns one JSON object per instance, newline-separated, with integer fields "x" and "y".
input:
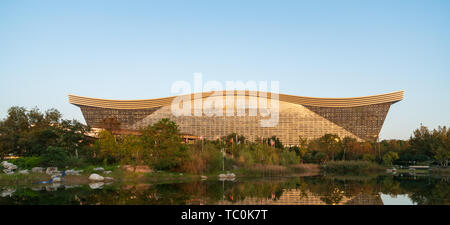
{"x": 320, "y": 189}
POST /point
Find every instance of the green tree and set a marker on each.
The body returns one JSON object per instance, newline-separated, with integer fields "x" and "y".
{"x": 302, "y": 147}
{"x": 330, "y": 144}
{"x": 163, "y": 140}
{"x": 132, "y": 151}
{"x": 107, "y": 148}
{"x": 442, "y": 155}
{"x": 54, "y": 156}
{"x": 390, "y": 157}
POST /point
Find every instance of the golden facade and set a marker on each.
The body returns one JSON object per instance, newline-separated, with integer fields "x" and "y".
{"x": 360, "y": 118}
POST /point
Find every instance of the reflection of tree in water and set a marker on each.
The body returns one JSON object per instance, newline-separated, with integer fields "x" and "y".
{"x": 422, "y": 190}
{"x": 426, "y": 191}
{"x": 333, "y": 197}
{"x": 240, "y": 191}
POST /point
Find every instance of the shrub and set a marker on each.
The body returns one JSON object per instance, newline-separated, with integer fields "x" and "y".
{"x": 27, "y": 162}
{"x": 55, "y": 156}
{"x": 389, "y": 157}
{"x": 171, "y": 158}
{"x": 320, "y": 157}
{"x": 213, "y": 160}
{"x": 288, "y": 158}
{"x": 368, "y": 158}
{"x": 245, "y": 158}
{"x": 76, "y": 162}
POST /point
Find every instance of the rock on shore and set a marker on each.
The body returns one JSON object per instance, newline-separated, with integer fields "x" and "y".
{"x": 96, "y": 177}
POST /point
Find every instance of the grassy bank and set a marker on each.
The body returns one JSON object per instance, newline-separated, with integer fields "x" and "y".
{"x": 352, "y": 167}
{"x": 277, "y": 170}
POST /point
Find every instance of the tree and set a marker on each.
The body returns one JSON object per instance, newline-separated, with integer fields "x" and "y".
{"x": 389, "y": 157}
{"x": 54, "y": 156}
{"x": 302, "y": 147}
{"x": 107, "y": 148}
{"x": 29, "y": 132}
{"x": 330, "y": 144}
{"x": 11, "y": 129}
{"x": 442, "y": 155}
{"x": 433, "y": 143}
{"x": 349, "y": 145}
{"x": 132, "y": 150}
{"x": 163, "y": 140}
{"x": 423, "y": 141}
{"x": 72, "y": 136}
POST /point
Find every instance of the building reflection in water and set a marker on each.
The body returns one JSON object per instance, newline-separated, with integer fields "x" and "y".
{"x": 299, "y": 197}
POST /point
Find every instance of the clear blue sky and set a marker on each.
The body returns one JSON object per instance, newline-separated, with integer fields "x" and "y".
{"x": 137, "y": 49}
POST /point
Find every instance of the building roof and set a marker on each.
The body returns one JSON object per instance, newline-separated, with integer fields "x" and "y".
{"x": 301, "y": 100}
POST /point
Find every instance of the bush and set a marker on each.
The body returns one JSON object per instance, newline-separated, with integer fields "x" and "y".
{"x": 55, "y": 156}
{"x": 319, "y": 157}
{"x": 245, "y": 158}
{"x": 27, "y": 162}
{"x": 288, "y": 158}
{"x": 171, "y": 158}
{"x": 368, "y": 158}
{"x": 76, "y": 162}
{"x": 389, "y": 157}
{"x": 213, "y": 160}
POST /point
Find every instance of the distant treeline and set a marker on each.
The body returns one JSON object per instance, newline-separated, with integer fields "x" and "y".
{"x": 44, "y": 138}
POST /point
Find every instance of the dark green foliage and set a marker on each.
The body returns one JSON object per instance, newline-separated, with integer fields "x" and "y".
{"x": 27, "y": 162}
{"x": 54, "y": 156}
{"x": 163, "y": 140}
{"x": 30, "y": 132}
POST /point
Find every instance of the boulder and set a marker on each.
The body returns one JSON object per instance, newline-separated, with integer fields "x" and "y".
{"x": 107, "y": 171}
{"x": 96, "y": 177}
{"x": 203, "y": 177}
{"x": 73, "y": 172}
{"x": 23, "y": 172}
{"x": 37, "y": 170}
{"x": 8, "y": 166}
{"x": 222, "y": 175}
{"x": 57, "y": 179}
{"x": 51, "y": 170}
{"x": 109, "y": 178}
{"x": 98, "y": 169}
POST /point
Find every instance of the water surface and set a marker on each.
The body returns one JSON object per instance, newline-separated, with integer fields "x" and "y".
{"x": 316, "y": 190}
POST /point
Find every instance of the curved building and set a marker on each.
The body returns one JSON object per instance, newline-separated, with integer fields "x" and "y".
{"x": 308, "y": 117}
